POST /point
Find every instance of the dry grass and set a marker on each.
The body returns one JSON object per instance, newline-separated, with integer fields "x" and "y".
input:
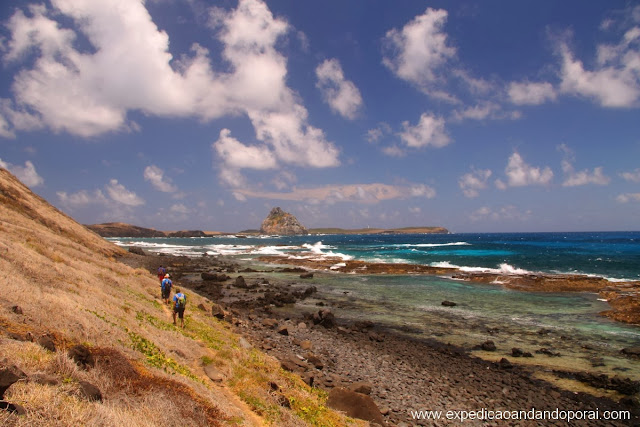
{"x": 69, "y": 285}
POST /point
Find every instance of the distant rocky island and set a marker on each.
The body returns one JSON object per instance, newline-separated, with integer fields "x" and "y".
{"x": 278, "y": 222}
{"x": 282, "y": 223}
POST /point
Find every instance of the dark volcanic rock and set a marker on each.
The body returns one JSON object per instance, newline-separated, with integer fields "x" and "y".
{"x": 82, "y": 356}
{"x": 281, "y": 223}
{"x": 631, "y": 351}
{"x": 188, "y": 233}
{"x": 449, "y": 303}
{"x": 136, "y": 250}
{"x": 325, "y": 318}
{"x": 214, "y": 277}
{"x": 306, "y": 275}
{"x": 47, "y": 343}
{"x": 8, "y": 376}
{"x": 488, "y": 346}
{"x": 355, "y": 405}
{"x": 90, "y": 391}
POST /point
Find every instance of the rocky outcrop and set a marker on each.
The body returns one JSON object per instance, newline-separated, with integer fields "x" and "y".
{"x": 282, "y": 223}
{"x": 119, "y": 229}
{"x": 187, "y": 233}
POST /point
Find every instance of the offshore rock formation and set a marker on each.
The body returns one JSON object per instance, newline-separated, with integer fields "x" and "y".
{"x": 281, "y": 223}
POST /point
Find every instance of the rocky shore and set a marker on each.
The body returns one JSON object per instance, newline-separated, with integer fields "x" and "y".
{"x": 398, "y": 374}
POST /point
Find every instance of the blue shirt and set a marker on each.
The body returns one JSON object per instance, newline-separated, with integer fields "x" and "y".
{"x": 179, "y": 295}
{"x": 166, "y": 283}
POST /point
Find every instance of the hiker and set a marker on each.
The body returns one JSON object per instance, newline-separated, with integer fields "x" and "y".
{"x": 165, "y": 287}
{"x": 180, "y": 300}
{"x": 161, "y": 272}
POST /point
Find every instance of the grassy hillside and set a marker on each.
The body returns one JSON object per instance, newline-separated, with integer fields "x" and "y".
{"x": 64, "y": 282}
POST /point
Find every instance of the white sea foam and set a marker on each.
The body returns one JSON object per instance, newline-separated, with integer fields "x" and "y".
{"x": 503, "y": 268}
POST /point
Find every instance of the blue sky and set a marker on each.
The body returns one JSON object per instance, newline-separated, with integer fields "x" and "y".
{"x": 182, "y": 114}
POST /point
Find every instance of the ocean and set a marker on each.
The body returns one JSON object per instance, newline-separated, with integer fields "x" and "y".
{"x": 566, "y": 323}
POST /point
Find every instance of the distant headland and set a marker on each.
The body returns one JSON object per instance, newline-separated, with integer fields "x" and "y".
{"x": 278, "y": 222}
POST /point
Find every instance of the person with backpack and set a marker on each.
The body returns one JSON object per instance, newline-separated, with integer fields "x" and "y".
{"x": 161, "y": 272}
{"x": 165, "y": 288}
{"x": 180, "y": 301}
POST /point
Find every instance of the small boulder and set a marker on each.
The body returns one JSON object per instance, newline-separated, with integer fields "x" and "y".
{"x": 82, "y": 356}
{"x": 217, "y": 311}
{"x": 213, "y": 374}
{"x": 240, "y": 282}
{"x": 47, "y": 343}
{"x": 516, "y": 352}
{"x": 270, "y": 323}
{"x": 448, "y": 303}
{"x": 355, "y": 405}
{"x": 90, "y": 391}
{"x": 488, "y": 346}
{"x": 202, "y": 307}
{"x": 505, "y": 364}
{"x": 8, "y": 376}
{"x": 631, "y": 351}
{"x": 308, "y": 275}
{"x": 135, "y": 250}
{"x": 306, "y": 345}
{"x": 361, "y": 387}
{"x": 283, "y": 330}
{"x": 17, "y": 309}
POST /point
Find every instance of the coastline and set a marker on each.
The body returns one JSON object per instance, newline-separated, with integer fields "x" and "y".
{"x": 404, "y": 373}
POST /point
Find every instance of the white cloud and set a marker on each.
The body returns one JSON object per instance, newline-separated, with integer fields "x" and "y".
{"x": 359, "y": 193}
{"x": 418, "y": 51}
{"x": 471, "y": 183}
{"x": 521, "y": 174}
{"x": 179, "y": 208}
{"x": 584, "y": 177}
{"x": 376, "y": 134}
{"x": 394, "y": 151}
{"x": 27, "y": 174}
{"x": 118, "y": 193}
{"x": 614, "y": 81}
{"x": 156, "y": 177}
{"x": 504, "y": 213}
{"x": 430, "y": 130}
{"x": 530, "y": 93}
{"x": 342, "y": 95}
{"x": 235, "y": 154}
{"x": 82, "y": 198}
{"x": 628, "y": 197}
{"x": 88, "y": 93}
{"x": 633, "y": 176}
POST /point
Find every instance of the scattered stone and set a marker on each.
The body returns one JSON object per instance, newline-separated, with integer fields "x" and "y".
{"x": 315, "y": 361}
{"x": 82, "y": 356}
{"x": 136, "y": 250}
{"x": 214, "y": 277}
{"x": 363, "y": 324}
{"x": 8, "y": 376}
{"x": 306, "y": 345}
{"x": 217, "y": 311}
{"x": 202, "y": 307}
{"x": 631, "y": 351}
{"x": 306, "y": 276}
{"x": 302, "y": 325}
{"x": 449, "y": 303}
{"x": 361, "y": 387}
{"x": 213, "y": 374}
{"x": 270, "y": 323}
{"x": 548, "y": 352}
{"x": 240, "y": 282}
{"x": 90, "y": 391}
{"x": 325, "y": 318}
{"x": 308, "y": 378}
{"x": 373, "y": 336}
{"x": 283, "y": 330}
{"x": 47, "y": 343}
{"x": 488, "y": 346}
{"x": 355, "y": 405}
{"x": 516, "y": 352}
{"x": 505, "y": 364}
{"x": 17, "y": 309}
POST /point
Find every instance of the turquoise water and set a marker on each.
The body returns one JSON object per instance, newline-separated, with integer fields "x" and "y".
{"x": 566, "y": 323}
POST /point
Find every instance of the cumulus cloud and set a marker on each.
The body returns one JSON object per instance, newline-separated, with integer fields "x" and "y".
{"x": 521, "y": 174}
{"x": 129, "y": 68}
{"x": 628, "y": 197}
{"x": 235, "y": 154}
{"x": 575, "y": 178}
{"x": 27, "y": 174}
{"x": 633, "y": 176}
{"x": 614, "y": 80}
{"x": 359, "y": 193}
{"x": 156, "y": 177}
{"x": 430, "y": 130}
{"x": 417, "y": 52}
{"x": 118, "y": 193}
{"x": 471, "y": 183}
{"x": 116, "y": 196}
{"x": 531, "y": 93}
{"x": 179, "y": 208}
{"x": 504, "y": 213}
{"x": 342, "y": 95}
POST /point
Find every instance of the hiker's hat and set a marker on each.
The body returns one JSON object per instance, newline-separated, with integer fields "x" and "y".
{"x": 166, "y": 275}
